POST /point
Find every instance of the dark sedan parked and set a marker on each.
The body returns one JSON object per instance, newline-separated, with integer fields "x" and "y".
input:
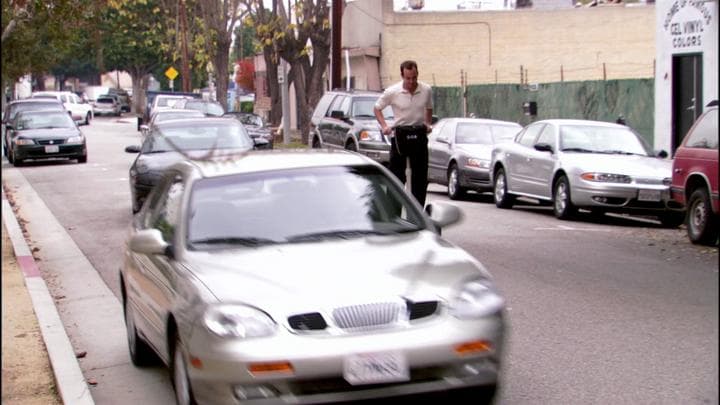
{"x": 255, "y": 125}
{"x": 45, "y": 135}
{"x": 25, "y": 105}
{"x": 172, "y": 141}
{"x": 460, "y": 150}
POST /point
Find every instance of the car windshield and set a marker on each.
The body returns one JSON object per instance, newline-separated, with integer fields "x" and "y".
{"x": 198, "y": 137}
{"x": 44, "y": 120}
{"x": 473, "y": 133}
{"x": 34, "y": 106}
{"x": 295, "y": 206}
{"x": 250, "y": 119}
{"x": 207, "y": 108}
{"x": 601, "y": 139}
{"x": 167, "y": 101}
{"x": 106, "y": 100}
{"x": 363, "y": 108}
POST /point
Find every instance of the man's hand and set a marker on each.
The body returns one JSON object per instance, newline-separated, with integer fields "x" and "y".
{"x": 386, "y": 130}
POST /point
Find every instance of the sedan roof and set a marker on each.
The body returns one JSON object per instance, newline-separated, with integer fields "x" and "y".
{"x": 560, "y": 121}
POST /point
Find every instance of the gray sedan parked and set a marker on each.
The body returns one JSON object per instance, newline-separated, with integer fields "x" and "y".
{"x": 460, "y": 150}
{"x": 594, "y": 165}
{"x": 306, "y": 276}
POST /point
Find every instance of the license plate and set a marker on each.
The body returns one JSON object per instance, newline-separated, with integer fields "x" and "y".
{"x": 52, "y": 149}
{"x": 649, "y": 195}
{"x": 373, "y": 368}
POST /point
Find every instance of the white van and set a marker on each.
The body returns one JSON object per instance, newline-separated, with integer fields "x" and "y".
{"x": 82, "y": 112}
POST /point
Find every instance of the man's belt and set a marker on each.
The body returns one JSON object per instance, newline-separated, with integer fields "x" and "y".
{"x": 411, "y": 129}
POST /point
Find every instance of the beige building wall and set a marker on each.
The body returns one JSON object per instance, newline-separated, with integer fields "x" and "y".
{"x": 610, "y": 41}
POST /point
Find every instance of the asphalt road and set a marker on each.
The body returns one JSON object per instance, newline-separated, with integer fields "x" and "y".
{"x": 609, "y": 311}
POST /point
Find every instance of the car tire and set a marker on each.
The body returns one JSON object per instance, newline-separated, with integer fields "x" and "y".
{"x": 141, "y": 354}
{"x": 455, "y": 191}
{"x": 82, "y": 159}
{"x": 562, "y": 200}
{"x": 502, "y": 198}
{"x": 702, "y": 226}
{"x": 10, "y": 157}
{"x": 179, "y": 375}
{"x": 88, "y": 118}
{"x": 315, "y": 143}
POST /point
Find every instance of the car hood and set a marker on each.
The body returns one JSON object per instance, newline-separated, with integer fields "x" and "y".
{"x": 299, "y": 277}
{"x": 482, "y": 151}
{"x": 49, "y": 133}
{"x": 632, "y": 165}
{"x": 370, "y": 123}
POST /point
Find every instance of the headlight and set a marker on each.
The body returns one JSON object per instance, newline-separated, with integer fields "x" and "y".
{"x": 606, "y": 177}
{"x": 238, "y": 321}
{"x": 75, "y": 139}
{"x": 476, "y": 298}
{"x": 20, "y": 141}
{"x": 480, "y": 163}
{"x": 366, "y": 135}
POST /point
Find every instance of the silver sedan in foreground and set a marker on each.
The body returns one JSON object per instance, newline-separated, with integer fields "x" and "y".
{"x": 599, "y": 166}
{"x": 305, "y": 276}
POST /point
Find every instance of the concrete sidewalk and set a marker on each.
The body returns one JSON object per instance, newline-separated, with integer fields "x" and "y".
{"x": 69, "y": 381}
{"x": 86, "y": 317}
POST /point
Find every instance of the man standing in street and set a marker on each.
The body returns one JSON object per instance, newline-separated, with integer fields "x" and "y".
{"x": 411, "y": 102}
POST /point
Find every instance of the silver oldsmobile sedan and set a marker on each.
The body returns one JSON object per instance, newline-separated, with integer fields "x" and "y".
{"x": 306, "y": 276}
{"x": 459, "y": 151}
{"x": 594, "y": 165}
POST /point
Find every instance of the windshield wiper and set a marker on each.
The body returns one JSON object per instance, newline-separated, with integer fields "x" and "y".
{"x": 619, "y": 152}
{"x": 342, "y": 234}
{"x": 233, "y": 240}
{"x": 581, "y": 150}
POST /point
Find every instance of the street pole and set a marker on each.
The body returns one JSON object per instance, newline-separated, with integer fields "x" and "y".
{"x": 335, "y": 61}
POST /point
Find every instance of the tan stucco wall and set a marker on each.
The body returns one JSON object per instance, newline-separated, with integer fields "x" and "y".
{"x": 612, "y": 41}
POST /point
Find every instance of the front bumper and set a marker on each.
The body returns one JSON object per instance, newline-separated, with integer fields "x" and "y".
{"x": 377, "y": 151}
{"x": 475, "y": 178}
{"x": 73, "y": 151}
{"x": 318, "y": 360}
{"x": 631, "y": 197}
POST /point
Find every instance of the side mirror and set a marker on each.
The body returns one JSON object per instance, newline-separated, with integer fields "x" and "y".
{"x": 543, "y": 147}
{"x": 442, "y": 140}
{"x": 132, "y": 149}
{"x": 339, "y": 115}
{"x": 661, "y": 154}
{"x": 434, "y": 119}
{"x": 149, "y": 242}
{"x": 9, "y": 125}
{"x": 443, "y": 214}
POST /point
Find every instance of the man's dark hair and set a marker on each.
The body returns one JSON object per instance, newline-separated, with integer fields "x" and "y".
{"x": 408, "y": 65}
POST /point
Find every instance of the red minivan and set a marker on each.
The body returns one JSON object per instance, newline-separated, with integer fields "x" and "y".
{"x": 695, "y": 178}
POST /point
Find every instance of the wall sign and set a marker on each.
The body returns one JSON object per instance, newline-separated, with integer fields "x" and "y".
{"x": 686, "y": 21}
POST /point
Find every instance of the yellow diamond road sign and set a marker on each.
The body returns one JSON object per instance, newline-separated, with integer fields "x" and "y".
{"x": 171, "y": 73}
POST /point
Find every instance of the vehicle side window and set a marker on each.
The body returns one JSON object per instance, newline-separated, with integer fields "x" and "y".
{"x": 548, "y": 136}
{"x": 338, "y": 104}
{"x": 322, "y": 107}
{"x": 527, "y": 138}
{"x": 439, "y": 130}
{"x": 705, "y": 133}
{"x": 168, "y": 209}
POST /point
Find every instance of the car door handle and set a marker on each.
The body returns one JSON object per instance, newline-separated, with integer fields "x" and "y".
{"x": 678, "y": 170}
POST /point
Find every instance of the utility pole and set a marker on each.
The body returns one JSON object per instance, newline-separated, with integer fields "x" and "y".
{"x": 335, "y": 59}
{"x": 185, "y": 67}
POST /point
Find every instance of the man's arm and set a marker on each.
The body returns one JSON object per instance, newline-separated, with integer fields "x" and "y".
{"x": 428, "y": 119}
{"x": 381, "y": 119}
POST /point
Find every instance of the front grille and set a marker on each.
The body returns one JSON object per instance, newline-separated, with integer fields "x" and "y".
{"x": 648, "y": 180}
{"x": 51, "y": 141}
{"x": 368, "y": 315}
{"x": 309, "y": 321}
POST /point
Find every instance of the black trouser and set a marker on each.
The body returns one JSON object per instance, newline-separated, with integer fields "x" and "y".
{"x": 413, "y": 145}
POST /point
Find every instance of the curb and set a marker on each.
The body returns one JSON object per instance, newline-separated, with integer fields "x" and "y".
{"x": 71, "y": 384}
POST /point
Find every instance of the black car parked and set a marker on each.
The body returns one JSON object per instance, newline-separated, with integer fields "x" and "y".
{"x": 189, "y": 138}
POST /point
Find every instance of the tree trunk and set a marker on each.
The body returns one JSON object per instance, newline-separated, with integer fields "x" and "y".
{"x": 221, "y": 60}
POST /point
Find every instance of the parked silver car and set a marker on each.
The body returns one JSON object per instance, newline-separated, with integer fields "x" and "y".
{"x": 460, "y": 149}
{"x": 305, "y": 276}
{"x": 594, "y": 165}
